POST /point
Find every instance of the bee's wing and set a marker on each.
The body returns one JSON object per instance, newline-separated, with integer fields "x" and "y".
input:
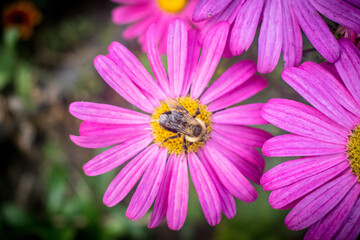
{"x": 177, "y": 122}
{"x": 174, "y": 105}
{"x": 184, "y": 126}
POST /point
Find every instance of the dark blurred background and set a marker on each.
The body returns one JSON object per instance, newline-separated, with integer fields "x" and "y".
{"x": 44, "y": 193}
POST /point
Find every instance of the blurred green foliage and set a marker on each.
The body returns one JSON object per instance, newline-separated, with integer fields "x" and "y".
{"x": 8, "y": 56}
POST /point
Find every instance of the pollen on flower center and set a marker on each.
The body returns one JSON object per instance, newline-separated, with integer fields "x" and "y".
{"x": 353, "y": 149}
{"x": 175, "y": 146}
{"x": 172, "y": 6}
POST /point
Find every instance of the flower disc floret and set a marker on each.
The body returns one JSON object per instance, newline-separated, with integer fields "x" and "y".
{"x": 353, "y": 149}
{"x": 172, "y": 6}
{"x": 175, "y": 146}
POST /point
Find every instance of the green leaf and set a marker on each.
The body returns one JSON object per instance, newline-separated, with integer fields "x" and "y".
{"x": 8, "y": 56}
{"x": 23, "y": 82}
{"x": 17, "y": 217}
{"x": 56, "y": 190}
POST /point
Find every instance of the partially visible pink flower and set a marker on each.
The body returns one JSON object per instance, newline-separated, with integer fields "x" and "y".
{"x": 323, "y": 187}
{"x": 140, "y": 14}
{"x": 349, "y": 34}
{"x": 219, "y": 167}
{"x": 280, "y": 27}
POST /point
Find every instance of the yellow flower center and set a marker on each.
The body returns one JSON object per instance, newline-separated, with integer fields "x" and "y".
{"x": 175, "y": 146}
{"x": 172, "y": 6}
{"x": 353, "y": 149}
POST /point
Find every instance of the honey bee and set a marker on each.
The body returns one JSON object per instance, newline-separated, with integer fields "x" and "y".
{"x": 178, "y": 120}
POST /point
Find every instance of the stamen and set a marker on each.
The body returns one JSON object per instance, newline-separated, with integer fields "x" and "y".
{"x": 172, "y": 6}
{"x": 175, "y": 146}
{"x": 353, "y": 149}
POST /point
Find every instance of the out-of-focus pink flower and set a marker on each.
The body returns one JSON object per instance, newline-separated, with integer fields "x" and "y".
{"x": 219, "y": 167}
{"x": 349, "y": 34}
{"x": 280, "y": 27}
{"x": 323, "y": 187}
{"x": 140, "y": 14}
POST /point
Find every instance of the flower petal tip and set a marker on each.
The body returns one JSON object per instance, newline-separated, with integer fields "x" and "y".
{"x": 108, "y": 202}
{"x": 265, "y": 150}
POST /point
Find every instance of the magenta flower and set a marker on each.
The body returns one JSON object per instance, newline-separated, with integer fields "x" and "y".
{"x": 219, "y": 167}
{"x": 143, "y": 13}
{"x": 280, "y": 28}
{"x": 323, "y": 187}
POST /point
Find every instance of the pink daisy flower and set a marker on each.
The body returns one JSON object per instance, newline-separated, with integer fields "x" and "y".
{"x": 220, "y": 164}
{"x": 280, "y": 27}
{"x": 143, "y": 13}
{"x": 323, "y": 187}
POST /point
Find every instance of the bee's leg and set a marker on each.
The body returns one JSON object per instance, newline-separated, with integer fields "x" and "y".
{"x": 197, "y": 111}
{"x": 172, "y": 137}
{"x": 185, "y": 147}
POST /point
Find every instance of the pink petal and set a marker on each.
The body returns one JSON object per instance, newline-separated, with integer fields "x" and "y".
{"x": 191, "y": 60}
{"x": 162, "y": 32}
{"x": 99, "y": 141}
{"x": 327, "y": 227}
{"x": 348, "y": 67}
{"x": 137, "y": 29}
{"x": 94, "y": 142}
{"x": 129, "y": 175}
{"x": 292, "y": 171}
{"x": 116, "y": 156}
{"x": 155, "y": 60}
{"x": 354, "y": 2}
{"x": 227, "y": 15}
{"x": 283, "y": 197}
{"x": 248, "y": 114}
{"x": 227, "y": 200}
{"x": 208, "y": 8}
{"x": 333, "y": 86}
{"x": 229, "y": 175}
{"x": 245, "y": 26}
{"x": 332, "y": 69}
{"x": 292, "y": 41}
{"x": 148, "y": 187}
{"x": 316, "y": 30}
{"x": 247, "y": 153}
{"x": 271, "y": 37}
{"x": 176, "y": 55}
{"x": 213, "y": 48}
{"x": 253, "y": 137}
{"x": 340, "y": 12}
{"x": 351, "y": 226}
{"x": 309, "y": 85}
{"x": 293, "y": 145}
{"x": 251, "y": 87}
{"x": 178, "y": 194}
{"x": 118, "y": 81}
{"x": 251, "y": 171}
{"x": 127, "y": 14}
{"x": 304, "y": 120}
{"x": 133, "y": 68}
{"x": 161, "y": 202}
{"x": 129, "y": 1}
{"x": 320, "y": 202}
{"x": 106, "y": 114}
{"x": 229, "y": 80}
{"x": 205, "y": 188}
{"x": 116, "y": 131}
